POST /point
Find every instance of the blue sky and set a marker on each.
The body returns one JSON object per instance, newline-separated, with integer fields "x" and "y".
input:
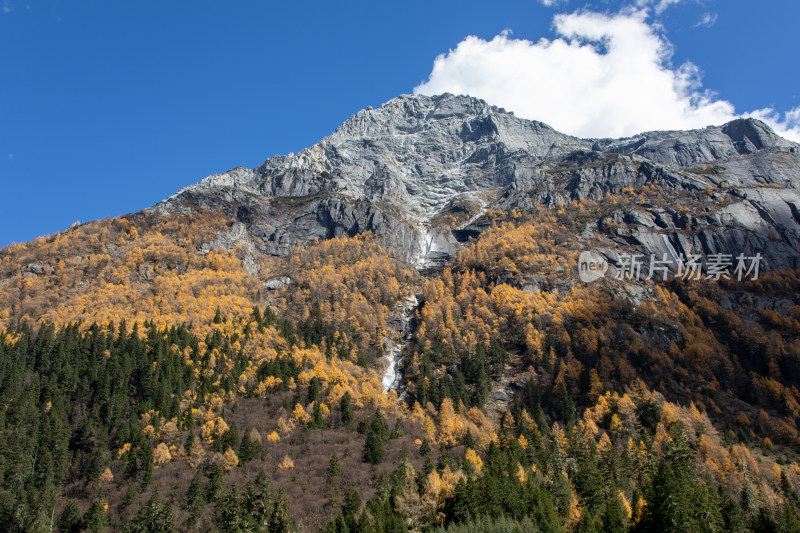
{"x": 108, "y": 107}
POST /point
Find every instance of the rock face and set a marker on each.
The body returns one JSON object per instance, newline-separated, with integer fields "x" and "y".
{"x": 401, "y": 321}
{"x": 420, "y": 171}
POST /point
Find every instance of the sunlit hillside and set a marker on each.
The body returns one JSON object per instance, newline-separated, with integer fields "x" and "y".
{"x": 151, "y": 381}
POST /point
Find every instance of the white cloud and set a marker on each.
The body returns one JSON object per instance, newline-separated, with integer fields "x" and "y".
{"x": 659, "y": 5}
{"x": 604, "y": 76}
{"x": 551, "y": 3}
{"x": 707, "y": 20}
{"x": 786, "y": 125}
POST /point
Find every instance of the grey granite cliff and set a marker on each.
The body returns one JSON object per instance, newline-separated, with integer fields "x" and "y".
{"x": 420, "y": 171}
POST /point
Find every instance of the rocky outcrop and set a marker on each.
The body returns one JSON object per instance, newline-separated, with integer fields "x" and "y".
{"x": 419, "y": 171}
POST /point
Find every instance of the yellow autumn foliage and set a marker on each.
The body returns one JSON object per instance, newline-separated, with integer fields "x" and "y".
{"x": 286, "y": 463}
{"x": 229, "y": 459}
{"x": 474, "y": 459}
{"x": 123, "y": 450}
{"x": 213, "y": 429}
{"x": 161, "y": 454}
{"x": 106, "y": 476}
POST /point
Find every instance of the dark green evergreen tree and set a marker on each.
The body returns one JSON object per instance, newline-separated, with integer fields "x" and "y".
{"x": 249, "y": 449}
{"x": 196, "y": 495}
{"x": 69, "y": 521}
{"x": 280, "y": 522}
{"x": 215, "y": 482}
{"x": 678, "y": 500}
{"x": 95, "y": 518}
{"x": 346, "y": 409}
{"x": 566, "y": 405}
{"x": 259, "y": 503}
{"x": 317, "y": 421}
{"x": 425, "y": 448}
{"x": 229, "y": 512}
{"x": 351, "y": 508}
{"x": 374, "y": 452}
{"x": 152, "y": 517}
{"x": 334, "y": 469}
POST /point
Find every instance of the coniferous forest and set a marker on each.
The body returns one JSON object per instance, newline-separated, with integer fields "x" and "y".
{"x": 149, "y": 384}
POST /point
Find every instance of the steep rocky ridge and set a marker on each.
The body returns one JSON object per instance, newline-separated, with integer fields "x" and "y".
{"x": 420, "y": 171}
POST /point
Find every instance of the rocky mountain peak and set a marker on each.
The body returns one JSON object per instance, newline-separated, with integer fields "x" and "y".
{"x": 419, "y": 172}
{"x": 752, "y": 134}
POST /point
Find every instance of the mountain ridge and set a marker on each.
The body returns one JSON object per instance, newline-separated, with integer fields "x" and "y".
{"x": 395, "y": 169}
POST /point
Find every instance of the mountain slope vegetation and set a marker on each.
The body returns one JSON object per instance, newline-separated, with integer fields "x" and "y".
{"x": 150, "y": 381}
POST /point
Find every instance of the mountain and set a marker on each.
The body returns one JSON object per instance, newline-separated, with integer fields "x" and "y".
{"x": 393, "y": 331}
{"x": 419, "y": 172}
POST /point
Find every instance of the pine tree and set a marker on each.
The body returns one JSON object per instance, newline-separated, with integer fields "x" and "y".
{"x": 378, "y": 425}
{"x": 69, "y": 521}
{"x": 377, "y": 435}
{"x": 566, "y": 406}
{"x": 152, "y": 517}
{"x": 334, "y": 468}
{"x": 337, "y": 525}
{"x": 788, "y": 519}
{"x": 788, "y": 491}
{"x": 147, "y": 462}
{"x": 424, "y": 448}
{"x": 215, "y": 482}
{"x": 747, "y": 501}
{"x": 229, "y": 439}
{"x": 280, "y": 521}
{"x": 314, "y": 387}
{"x": 364, "y": 524}
{"x": 228, "y": 512}
{"x": 374, "y": 452}
{"x": 398, "y": 430}
{"x": 95, "y": 519}
{"x": 444, "y": 458}
{"x": 732, "y": 520}
{"x": 678, "y": 500}
{"x": 258, "y": 502}
{"x": 196, "y": 495}
{"x": 428, "y": 466}
{"x": 615, "y": 518}
{"x": 132, "y": 466}
{"x": 587, "y": 524}
{"x": 763, "y": 522}
{"x": 469, "y": 440}
{"x": 346, "y": 409}
{"x": 257, "y": 316}
{"x": 130, "y": 496}
{"x": 317, "y": 421}
{"x": 351, "y": 507}
{"x": 249, "y": 449}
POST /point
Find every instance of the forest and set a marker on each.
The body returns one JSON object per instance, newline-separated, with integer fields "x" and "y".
{"x": 150, "y": 382}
